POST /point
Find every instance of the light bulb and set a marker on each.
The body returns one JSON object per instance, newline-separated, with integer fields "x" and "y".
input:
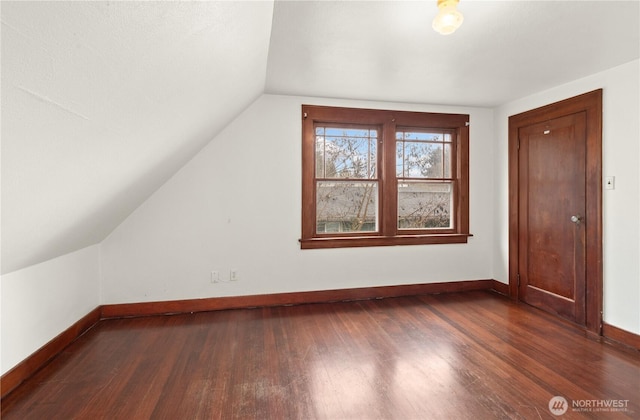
{"x": 448, "y": 19}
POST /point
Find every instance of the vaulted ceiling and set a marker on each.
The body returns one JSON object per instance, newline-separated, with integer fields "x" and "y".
{"x": 103, "y": 101}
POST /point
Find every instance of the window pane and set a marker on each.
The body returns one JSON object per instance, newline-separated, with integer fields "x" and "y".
{"x": 320, "y": 171}
{"x": 423, "y": 154}
{"x": 419, "y": 160}
{"x": 420, "y": 136}
{"x": 399, "y": 158}
{"x": 424, "y": 205}
{"x": 346, "y": 152}
{"x": 346, "y": 206}
{"x": 447, "y": 161}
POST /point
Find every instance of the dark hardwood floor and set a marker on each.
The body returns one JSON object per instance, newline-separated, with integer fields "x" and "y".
{"x": 451, "y": 356}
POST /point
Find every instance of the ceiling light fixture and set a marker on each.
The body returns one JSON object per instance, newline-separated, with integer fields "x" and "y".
{"x": 448, "y": 19}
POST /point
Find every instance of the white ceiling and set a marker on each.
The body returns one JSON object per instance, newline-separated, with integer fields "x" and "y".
{"x": 388, "y": 51}
{"x": 103, "y": 101}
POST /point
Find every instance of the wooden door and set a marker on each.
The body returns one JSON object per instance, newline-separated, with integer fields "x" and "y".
{"x": 552, "y": 223}
{"x": 555, "y": 208}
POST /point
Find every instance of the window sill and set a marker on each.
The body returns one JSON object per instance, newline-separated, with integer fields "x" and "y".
{"x": 352, "y": 242}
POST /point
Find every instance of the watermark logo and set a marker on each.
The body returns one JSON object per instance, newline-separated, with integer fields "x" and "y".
{"x": 558, "y": 405}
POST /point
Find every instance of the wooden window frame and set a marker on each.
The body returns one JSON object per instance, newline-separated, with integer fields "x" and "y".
{"x": 388, "y": 232}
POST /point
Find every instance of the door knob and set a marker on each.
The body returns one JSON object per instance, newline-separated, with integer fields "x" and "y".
{"x": 576, "y": 219}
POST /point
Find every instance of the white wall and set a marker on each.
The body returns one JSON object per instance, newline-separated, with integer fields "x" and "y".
{"x": 621, "y": 207}
{"x": 41, "y": 301}
{"x": 236, "y": 205}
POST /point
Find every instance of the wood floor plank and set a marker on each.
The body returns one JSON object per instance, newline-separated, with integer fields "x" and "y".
{"x": 563, "y": 356}
{"x": 471, "y": 355}
{"x": 558, "y": 347}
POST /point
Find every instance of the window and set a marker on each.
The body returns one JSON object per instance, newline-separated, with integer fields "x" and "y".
{"x": 374, "y": 177}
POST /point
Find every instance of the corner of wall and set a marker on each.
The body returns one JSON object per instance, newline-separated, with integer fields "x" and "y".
{"x": 41, "y": 301}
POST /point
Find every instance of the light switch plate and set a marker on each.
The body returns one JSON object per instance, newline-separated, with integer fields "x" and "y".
{"x": 610, "y": 182}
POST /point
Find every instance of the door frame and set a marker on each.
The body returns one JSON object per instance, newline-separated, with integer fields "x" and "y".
{"x": 591, "y": 104}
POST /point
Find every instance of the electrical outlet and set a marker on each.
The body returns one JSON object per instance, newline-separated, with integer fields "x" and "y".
{"x": 234, "y": 275}
{"x": 215, "y": 277}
